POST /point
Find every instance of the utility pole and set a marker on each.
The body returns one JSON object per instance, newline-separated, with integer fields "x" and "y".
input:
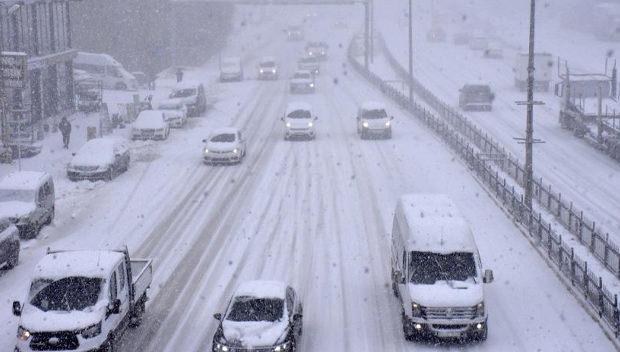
{"x": 366, "y": 33}
{"x": 372, "y": 31}
{"x": 529, "y": 129}
{"x": 410, "y": 51}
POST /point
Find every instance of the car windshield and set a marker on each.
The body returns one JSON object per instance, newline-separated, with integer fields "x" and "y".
{"x": 308, "y": 60}
{"x": 67, "y": 294}
{"x": 230, "y": 64}
{"x": 20, "y": 195}
{"x": 374, "y": 114}
{"x": 302, "y": 76}
{"x": 426, "y": 268}
{"x": 268, "y": 64}
{"x": 477, "y": 92}
{"x": 299, "y": 114}
{"x": 223, "y": 138}
{"x": 183, "y": 93}
{"x": 256, "y": 309}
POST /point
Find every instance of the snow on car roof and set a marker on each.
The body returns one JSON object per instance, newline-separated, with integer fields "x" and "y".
{"x": 96, "y": 152}
{"x": 88, "y": 263}
{"x": 225, "y": 130}
{"x": 95, "y": 59}
{"x": 268, "y": 59}
{"x": 297, "y": 105}
{"x": 262, "y": 289}
{"x": 150, "y": 119}
{"x": 24, "y": 180}
{"x": 232, "y": 59}
{"x": 373, "y": 105}
{"x": 435, "y": 224}
{"x": 186, "y": 85}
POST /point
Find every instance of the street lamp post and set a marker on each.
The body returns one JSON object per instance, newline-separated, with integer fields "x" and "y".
{"x": 410, "y": 51}
{"x": 529, "y": 129}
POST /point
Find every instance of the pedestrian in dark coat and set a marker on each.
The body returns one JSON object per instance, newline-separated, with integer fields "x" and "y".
{"x": 65, "y": 130}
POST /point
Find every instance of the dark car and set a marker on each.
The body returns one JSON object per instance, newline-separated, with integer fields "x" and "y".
{"x": 477, "y": 97}
{"x": 261, "y": 316}
{"x": 9, "y": 244}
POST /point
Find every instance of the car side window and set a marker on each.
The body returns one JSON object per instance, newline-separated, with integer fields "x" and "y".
{"x": 121, "y": 276}
{"x": 290, "y": 300}
{"x": 113, "y": 287}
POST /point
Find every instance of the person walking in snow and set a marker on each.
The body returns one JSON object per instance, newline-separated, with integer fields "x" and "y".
{"x": 65, "y": 130}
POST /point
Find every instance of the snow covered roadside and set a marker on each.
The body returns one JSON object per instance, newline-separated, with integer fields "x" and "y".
{"x": 579, "y": 172}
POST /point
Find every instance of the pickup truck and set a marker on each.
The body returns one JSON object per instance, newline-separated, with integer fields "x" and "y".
{"x": 82, "y": 301}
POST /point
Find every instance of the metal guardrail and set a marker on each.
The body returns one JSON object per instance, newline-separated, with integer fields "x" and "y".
{"x": 572, "y": 268}
{"x": 573, "y": 219}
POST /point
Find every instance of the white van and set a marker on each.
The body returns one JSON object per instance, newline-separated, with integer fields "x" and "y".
{"x": 104, "y": 68}
{"x": 436, "y": 270}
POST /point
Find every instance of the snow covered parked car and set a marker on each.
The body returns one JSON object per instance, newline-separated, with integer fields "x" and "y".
{"x": 261, "y": 316}
{"x": 27, "y": 199}
{"x": 99, "y": 159}
{"x": 436, "y": 270}
{"x": 372, "y": 119}
{"x": 175, "y": 118}
{"x": 187, "y": 96}
{"x": 82, "y": 301}
{"x": 9, "y": 244}
{"x": 226, "y": 145}
{"x": 302, "y": 82}
{"x": 299, "y": 121}
{"x": 150, "y": 124}
{"x": 268, "y": 68}
{"x": 231, "y": 69}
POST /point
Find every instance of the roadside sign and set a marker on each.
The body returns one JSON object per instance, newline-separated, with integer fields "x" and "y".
{"x": 13, "y": 69}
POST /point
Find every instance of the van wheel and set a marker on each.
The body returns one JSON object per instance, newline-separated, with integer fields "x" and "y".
{"x": 138, "y": 313}
{"x": 51, "y": 217}
{"x": 407, "y": 328}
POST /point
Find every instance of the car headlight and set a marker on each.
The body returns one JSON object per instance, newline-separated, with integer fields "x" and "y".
{"x": 92, "y": 331}
{"x": 480, "y": 309}
{"x": 236, "y": 151}
{"x": 387, "y": 124}
{"x": 23, "y": 334}
{"x": 273, "y": 71}
{"x": 416, "y": 310}
{"x": 311, "y": 85}
{"x": 219, "y": 347}
{"x": 206, "y": 151}
{"x": 282, "y": 347}
{"x": 310, "y": 124}
{"x": 288, "y": 124}
{"x": 262, "y": 71}
{"x": 365, "y": 124}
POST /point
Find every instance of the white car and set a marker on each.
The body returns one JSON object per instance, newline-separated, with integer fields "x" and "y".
{"x": 302, "y": 82}
{"x": 225, "y": 145}
{"x": 268, "y": 68}
{"x": 372, "y": 119}
{"x": 176, "y": 118}
{"x": 261, "y": 316}
{"x": 150, "y": 124}
{"x": 310, "y": 63}
{"x": 9, "y": 244}
{"x": 299, "y": 121}
{"x": 231, "y": 69}
{"x": 99, "y": 159}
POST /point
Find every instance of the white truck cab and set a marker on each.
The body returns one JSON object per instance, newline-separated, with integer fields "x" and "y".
{"x": 82, "y": 301}
{"x": 436, "y": 270}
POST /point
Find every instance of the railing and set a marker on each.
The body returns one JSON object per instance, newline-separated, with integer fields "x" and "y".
{"x": 573, "y": 269}
{"x": 573, "y": 219}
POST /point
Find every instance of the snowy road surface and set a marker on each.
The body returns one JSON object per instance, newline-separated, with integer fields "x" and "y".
{"x": 316, "y": 214}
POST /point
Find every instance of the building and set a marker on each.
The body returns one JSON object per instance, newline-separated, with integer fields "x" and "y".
{"x": 41, "y": 30}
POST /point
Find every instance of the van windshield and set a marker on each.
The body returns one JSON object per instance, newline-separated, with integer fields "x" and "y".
{"x": 374, "y": 114}
{"x": 19, "y": 195}
{"x": 299, "y": 114}
{"x": 67, "y": 294}
{"x": 183, "y": 93}
{"x": 427, "y": 268}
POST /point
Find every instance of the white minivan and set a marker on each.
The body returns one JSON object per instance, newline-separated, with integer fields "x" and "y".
{"x": 436, "y": 270}
{"x": 104, "y": 68}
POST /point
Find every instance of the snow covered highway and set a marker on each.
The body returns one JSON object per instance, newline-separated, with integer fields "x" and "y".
{"x": 316, "y": 214}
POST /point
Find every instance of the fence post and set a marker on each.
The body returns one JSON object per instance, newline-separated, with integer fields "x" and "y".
{"x": 580, "y": 232}
{"x": 593, "y": 236}
{"x": 601, "y": 302}
{"x": 570, "y": 216}
{"x": 560, "y": 205}
{"x": 606, "y": 253}
{"x": 560, "y": 251}
{"x": 586, "y": 280}
{"x": 572, "y": 266}
{"x": 616, "y": 317}
{"x": 549, "y": 198}
{"x": 550, "y": 241}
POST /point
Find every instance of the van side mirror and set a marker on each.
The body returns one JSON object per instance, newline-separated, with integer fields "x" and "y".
{"x": 218, "y": 316}
{"x": 115, "y": 306}
{"x": 17, "y": 309}
{"x": 204, "y": 141}
{"x": 488, "y": 276}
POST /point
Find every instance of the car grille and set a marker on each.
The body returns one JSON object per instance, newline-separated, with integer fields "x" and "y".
{"x": 86, "y": 168}
{"x": 258, "y": 349}
{"x": 449, "y": 313}
{"x": 54, "y": 341}
{"x": 449, "y": 327}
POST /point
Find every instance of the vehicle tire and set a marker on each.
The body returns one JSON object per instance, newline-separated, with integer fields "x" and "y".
{"x": 13, "y": 258}
{"x": 120, "y": 86}
{"x": 481, "y": 336}
{"x": 109, "y": 345}
{"x": 138, "y": 313}
{"x": 110, "y": 175}
{"x": 51, "y": 216}
{"x": 29, "y": 232}
{"x": 407, "y": 330}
